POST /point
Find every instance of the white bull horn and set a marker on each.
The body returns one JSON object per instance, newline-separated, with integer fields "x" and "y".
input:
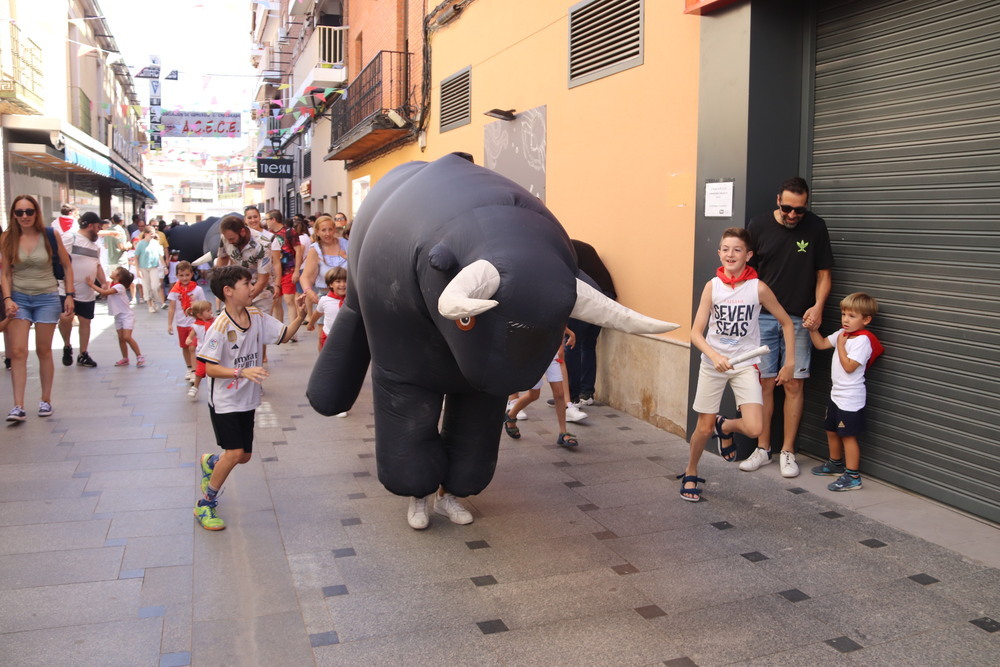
{"x": 469, "y": 292}
{"x": 594, "y": 307}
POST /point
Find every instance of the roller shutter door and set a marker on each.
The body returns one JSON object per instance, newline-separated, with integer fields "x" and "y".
{"x": 906, "y": 172}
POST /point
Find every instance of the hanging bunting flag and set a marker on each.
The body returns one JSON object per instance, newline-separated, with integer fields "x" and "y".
{"x": 172, "y": 76}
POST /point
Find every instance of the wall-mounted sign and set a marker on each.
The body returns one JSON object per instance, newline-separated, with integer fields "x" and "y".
{"x": 200, "y": 124}
{"x": 268, "y": 167}
{"x": 719, "y": 198}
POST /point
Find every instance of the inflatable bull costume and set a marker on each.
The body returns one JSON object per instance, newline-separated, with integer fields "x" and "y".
{"x": 460, "y": 283}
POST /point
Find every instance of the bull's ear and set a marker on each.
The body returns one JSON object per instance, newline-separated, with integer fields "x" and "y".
{"x": 442, "y": 258}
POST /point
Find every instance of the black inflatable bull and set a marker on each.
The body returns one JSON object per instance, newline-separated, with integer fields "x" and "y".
{"x": 460, "y": 284}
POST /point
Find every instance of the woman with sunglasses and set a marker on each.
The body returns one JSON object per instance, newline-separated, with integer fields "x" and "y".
{"x": 31, "y": 296}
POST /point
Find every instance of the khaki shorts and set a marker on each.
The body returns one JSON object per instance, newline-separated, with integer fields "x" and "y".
{"x": 711, "y": 383}
{"x": 264, "y": 301}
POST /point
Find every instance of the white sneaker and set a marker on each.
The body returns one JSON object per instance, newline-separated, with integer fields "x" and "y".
{"x": 342, "y": 414}
{"x": 193, "y": 392}
{"x": 521, "y": 415}
{"x": 757, "y": 459}
{"x": 189, "y": 377}
{"x": 574, "y": 414}
{"x": 416, "y": 515}
{"x": 449, "y": 506}
{"x": 789, "y": 468}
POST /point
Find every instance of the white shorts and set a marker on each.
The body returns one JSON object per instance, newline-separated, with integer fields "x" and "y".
{"x": 552, "y": 374}
{"x": 125, "y": 321}
{"x": 264, "y": 301}
{"x": 711, "y": 383}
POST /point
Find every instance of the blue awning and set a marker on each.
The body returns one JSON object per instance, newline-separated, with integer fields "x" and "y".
{"x": 94, "y": 163}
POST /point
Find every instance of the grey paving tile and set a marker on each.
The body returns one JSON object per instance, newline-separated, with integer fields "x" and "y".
{"x": 826, "y": 572}
{"x": 951, "y": 644}
{"x": 128, "y": 463}
{"x": 150, "y": 523}
{"x": 278, "y": 639}
{"x": 36, "y": 608}
{"x": 52, "y": 536}
{"x": 884, "y": 612}
{"x": 52, "y": 510}
{"x": 131, "y": 642}
{"x": 623, "y": 638}
{"x": 158, "y": 551}
{"x": 435, "y": 646}
{"x": 531, "y": 602}
{"x": 742, "y": 630}
{"x": 978, "y": 591}
{"x": 652, "y": 551}
{"x": 138, "y": 481}
{"x": 406, "y": 609}
{"x": 170, "y": 585}
{"x": 149, "y": 498}
{"x": 52, "y": 568}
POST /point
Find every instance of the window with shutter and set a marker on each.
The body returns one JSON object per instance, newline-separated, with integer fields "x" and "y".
{"x": 456, "y": 100}
{"x": 605, "y": 37}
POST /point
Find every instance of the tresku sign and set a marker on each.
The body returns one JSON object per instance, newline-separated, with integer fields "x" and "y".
{"x": 274, "y": 167}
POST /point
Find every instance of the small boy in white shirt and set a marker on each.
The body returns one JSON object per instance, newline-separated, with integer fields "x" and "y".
{"x": 330, "y": 303}
{"x": 856, "y": 350}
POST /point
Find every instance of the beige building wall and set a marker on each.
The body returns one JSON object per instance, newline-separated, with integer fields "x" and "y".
{"x": 620, "y": 167}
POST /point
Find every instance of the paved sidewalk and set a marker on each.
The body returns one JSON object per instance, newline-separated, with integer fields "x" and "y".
{"x": 584, "y": 557}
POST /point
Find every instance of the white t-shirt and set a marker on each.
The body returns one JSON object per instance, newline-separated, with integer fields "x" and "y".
{"x": 226, "y": 344}
{"x": 118, "y": 303}
{"x": 182, "y": 319}
{"x": 848, "y": 390}
{"x": 734, "y": 323}
{"x": 86, "y": 257}
{"x": 330, "y": 307}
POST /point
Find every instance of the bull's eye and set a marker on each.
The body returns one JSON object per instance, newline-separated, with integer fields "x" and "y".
{"x": 466, "y": 323}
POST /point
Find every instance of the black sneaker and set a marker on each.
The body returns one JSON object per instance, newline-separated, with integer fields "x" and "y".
{"x": 68, "y": 355}
{"x": 85, "y": 360}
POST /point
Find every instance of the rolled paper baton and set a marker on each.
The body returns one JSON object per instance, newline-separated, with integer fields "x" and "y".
{"x": 763, "y": 349}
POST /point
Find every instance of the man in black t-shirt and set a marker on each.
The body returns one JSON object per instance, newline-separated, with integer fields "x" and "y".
{"x": 792, "y": 256}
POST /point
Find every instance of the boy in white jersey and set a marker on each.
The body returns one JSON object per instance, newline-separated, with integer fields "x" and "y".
{"x": 855, "y": 350}
{"x": 232, "y": 352}
{"x": 730, "y": 309}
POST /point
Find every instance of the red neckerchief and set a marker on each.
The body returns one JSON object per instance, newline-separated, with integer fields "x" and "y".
{"x": 206, "y": 323}
{"x": 338, "y": 298}
{"x": 65, "y": 222}
{"x": 185, "y": 293}
{"x": 748, "y": 274}
{"x": 877, "y": 348}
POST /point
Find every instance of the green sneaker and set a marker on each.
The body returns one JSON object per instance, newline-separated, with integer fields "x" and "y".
{"x": 205, "y": 512}
{"x": 206, "y": 472}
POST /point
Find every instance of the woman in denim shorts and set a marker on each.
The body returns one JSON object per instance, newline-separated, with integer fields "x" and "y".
{"x": 31, "y": 296}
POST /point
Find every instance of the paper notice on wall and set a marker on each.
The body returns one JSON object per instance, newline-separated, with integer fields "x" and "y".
{"x": 719, "y": 199}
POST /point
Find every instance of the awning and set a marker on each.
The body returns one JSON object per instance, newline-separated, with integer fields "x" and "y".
{"x": 76, "y": 161}
{"x": 91, "y": 162}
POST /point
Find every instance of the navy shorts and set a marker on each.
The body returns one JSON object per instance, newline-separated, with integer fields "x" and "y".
{"x": 233, "y": 430}
{"x": 84, "y": 309}
{"x": 843, "y": 423}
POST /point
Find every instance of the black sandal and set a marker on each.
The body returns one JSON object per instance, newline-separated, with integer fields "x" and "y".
{"x": 696, "y": 492}
{"x": 727, "y": 453}
{"x": 567, "y": 440}
{"x": 510, "y": 426}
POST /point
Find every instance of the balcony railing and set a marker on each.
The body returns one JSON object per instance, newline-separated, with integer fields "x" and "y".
{"x": 20, "y": 73}
{"x": 381, "y": 86}
{"x": 331, "y": 45}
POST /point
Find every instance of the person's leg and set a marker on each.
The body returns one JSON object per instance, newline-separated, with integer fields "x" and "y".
{"x": 794, "y": 402}
{"x": 17, "y": 350}
{"x": 84, "y": 331}
{"x": 229, "y": 459}
{"x": 122, "y": 345}
{"x": 44, "y": 333}
{"x": 749, "y": 424}
{"x": 767, "y": 393}
{"x": 66, "y": 329}
{"x": 588, "y": 359}
{"x": 772, "y": 336}
{"x": 131, "y": 342}
{"x": 702, "y": 432}
{"x": 559, "y": 396}
{"x": 278, "y": 309}
{"x": 524, "y": 400}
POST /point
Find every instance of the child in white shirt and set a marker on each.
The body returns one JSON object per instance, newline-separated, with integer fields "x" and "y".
{"x": 119, "y": 305}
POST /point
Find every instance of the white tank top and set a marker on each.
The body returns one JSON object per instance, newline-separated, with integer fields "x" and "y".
{"x": 734, "y": 324}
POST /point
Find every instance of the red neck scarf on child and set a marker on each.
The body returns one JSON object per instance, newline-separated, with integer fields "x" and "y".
{"x": 185, "y": 292}
{"x": 877, "y": 348}
{"x": 339, "y": 298}
{"x": 748, "y": 273}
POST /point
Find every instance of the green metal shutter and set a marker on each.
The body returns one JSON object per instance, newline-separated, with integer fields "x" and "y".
{"x": 906, "y": 172}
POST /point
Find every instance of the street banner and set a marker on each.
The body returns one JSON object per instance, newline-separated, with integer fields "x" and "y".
{"x": 200, "y": 124}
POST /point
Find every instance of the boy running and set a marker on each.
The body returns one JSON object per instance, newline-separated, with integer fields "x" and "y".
{"x": 730, "y": 308}
{"x": 232, "y": 352}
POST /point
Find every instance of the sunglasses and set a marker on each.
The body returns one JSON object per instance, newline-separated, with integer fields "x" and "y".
{"x": 18, "y": 212}
{"x": 799, "y": 210}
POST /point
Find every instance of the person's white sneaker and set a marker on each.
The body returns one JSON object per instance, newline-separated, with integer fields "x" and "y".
{"x": 789, "y": 468}
{"x": 342, "y": 414}
{"x": 416, "y": 515}
{"x": 757, "y": 459}
{"x": 521, "y": 415}
{"x": 449, "y": 506}
{"x": 193, "y": 392}
{"x": 574, "y": 414}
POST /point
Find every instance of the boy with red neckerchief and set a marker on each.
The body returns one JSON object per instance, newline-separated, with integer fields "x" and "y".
{"x": 730, "y": 309}
{"x": 856, "y": 350}
{"x": 184, "y": 292}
